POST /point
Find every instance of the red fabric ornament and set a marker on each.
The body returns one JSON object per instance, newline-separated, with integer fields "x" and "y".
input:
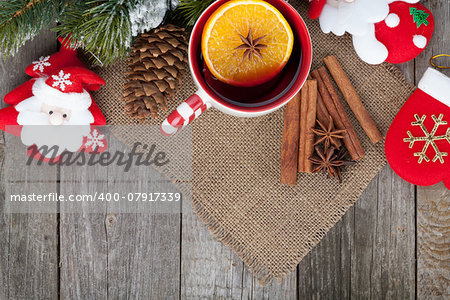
{"x": 315, "y": 8}
{"x": 46, "y": 65}
{"x": 418, "y": 142}
{"x": 57, "y": 95}
{"x": 406, "y": 31}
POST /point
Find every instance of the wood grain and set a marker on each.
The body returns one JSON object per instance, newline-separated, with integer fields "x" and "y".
{"x": 210, "y": 270}
{"x": 433, "y": 242}
{"x": 28, "y": 252}
{"x": 114, "y": 255}
{"x": 325, "y": 272}
{"x": 83, "y": 242}
{"x": 369, "y": 254}
{"x": 433, "y": 203}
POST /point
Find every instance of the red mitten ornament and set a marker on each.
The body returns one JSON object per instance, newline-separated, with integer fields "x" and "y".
{"x": 418, "y": 142}
{"x": 58, "y": 97}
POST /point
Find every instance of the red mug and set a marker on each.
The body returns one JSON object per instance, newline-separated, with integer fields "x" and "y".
{"x": 281, "y": 89}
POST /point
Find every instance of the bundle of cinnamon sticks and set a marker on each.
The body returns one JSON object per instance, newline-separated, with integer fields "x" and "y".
{"x": 319, "y": 103}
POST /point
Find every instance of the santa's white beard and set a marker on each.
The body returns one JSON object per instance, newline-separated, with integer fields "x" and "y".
{"x": 62, "y": 137}
{"x": 37, "y": 131}
{"x": 354, "y": 17}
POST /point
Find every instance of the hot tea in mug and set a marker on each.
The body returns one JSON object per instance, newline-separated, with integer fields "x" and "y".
{"x": 261, "y": 90}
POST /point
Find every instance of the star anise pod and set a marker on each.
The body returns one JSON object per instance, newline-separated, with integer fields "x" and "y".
{"x": 327, "y": 161}
{"x": 251, "y": 46}
{"x": 329, "y": 136}
{"x": 343, "y": 155}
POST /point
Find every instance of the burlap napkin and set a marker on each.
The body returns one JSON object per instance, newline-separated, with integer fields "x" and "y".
{"x": 236, "y": 164}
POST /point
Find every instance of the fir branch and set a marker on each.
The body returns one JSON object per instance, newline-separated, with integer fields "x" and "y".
{"x": 101, "y": 26}
{"x": 21, "y": 20}
{"x": 188, "y": 11}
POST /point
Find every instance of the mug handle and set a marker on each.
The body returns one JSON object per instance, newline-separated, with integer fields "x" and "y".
{"x": 185, "y": 113}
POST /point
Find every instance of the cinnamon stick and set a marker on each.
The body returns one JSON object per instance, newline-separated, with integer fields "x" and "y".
{"x": 304, "y": 94}
{"x": 310, "y": 123}
{"x": 289, "y": 148}
{"x": 352, "y": 98}
{"x": 341, "y": 111}
{"x": 323, "y": 116}
{"x": 340, "y": 118}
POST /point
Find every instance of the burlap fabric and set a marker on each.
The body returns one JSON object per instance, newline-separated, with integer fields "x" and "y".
{"x": 236, "y": 164}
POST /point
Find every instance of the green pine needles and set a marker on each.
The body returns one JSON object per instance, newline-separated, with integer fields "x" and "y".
{"x": 21, "y": 20}
{"x": 103, "y": 27}
{"x": 188, "y": 11}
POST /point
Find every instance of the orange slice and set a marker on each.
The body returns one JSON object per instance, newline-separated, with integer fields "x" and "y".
{"x": 225, "y": 41}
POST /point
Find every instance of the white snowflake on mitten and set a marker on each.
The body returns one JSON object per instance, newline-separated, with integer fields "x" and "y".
{"x": 41, "y": 63}
{"x": 61, "y": 80}
{"x": 95, "y": 140}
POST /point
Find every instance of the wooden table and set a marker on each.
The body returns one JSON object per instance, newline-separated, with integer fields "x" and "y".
{"x": 394, "y": 243}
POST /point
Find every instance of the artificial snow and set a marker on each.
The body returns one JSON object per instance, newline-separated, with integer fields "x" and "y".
{"x": 148, "y": 14}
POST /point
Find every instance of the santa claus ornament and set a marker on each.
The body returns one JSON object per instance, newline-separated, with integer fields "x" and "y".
{"x": 57, "y": 96}
{"x": 417, "y": 144}
{"x": 382, "y": 30}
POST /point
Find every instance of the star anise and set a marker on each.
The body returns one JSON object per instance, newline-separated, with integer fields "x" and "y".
{"x": 327, "y": 161}
{"x": 329, "y": 136}
{"x": 251, "y": 46}
{"x": 343, "y": 155}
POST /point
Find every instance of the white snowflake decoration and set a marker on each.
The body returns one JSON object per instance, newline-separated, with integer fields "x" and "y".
{"x": 428, "y": 138}
{"x": 95, "y": 140}
{"x": 41, "y": 63}
{"x": 61, "y": 80}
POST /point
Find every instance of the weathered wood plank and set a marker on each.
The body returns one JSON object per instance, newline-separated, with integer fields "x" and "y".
{"x": 365, "y": 222}
{"x": 208, "y": 268}
{"x": 143, "y": 248}
{"x": 211, "y": 270}
{"x": 107, "y": 253}
{"x": 325, "y": 272}
{"x": 394, "y": 260}
{"x": 433, "y": 242}
{"x": 83, "y": 242}
{"x": 433, "y": 203}
{"x": 28, "y": 251}
{"x": 143, "y": 256}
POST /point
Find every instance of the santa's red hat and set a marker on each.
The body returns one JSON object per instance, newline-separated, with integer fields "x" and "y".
{"x": 65, "y": 57}
{"x": 66, "y": 88}
{"x": 315, "y": 8}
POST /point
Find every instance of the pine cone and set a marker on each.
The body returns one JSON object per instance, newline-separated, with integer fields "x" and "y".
{"x": 156, "y": 63}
